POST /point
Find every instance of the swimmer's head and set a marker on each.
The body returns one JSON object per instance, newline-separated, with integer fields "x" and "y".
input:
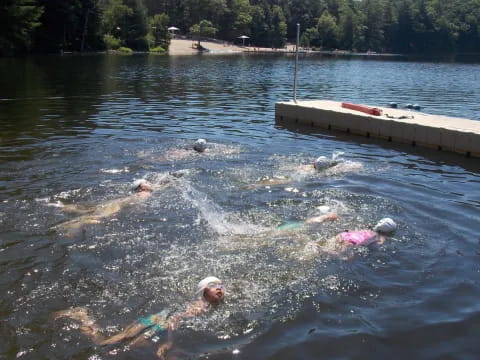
{"x": 321, "y": 163}
{"x": 211, "y": 289}
{"x": 200, "y": 145}
{"x": 385, "y": 226}
{"x": 142, "y": 185}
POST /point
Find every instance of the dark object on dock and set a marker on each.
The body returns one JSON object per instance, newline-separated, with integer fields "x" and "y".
{"x": 414, "y": 106}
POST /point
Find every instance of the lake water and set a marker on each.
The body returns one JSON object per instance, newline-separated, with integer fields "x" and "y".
{"x": 80, "y": 130}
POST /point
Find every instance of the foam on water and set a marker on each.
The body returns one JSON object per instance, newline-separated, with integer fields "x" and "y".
{"x": 265, "y": 282}
{"x": 114, "y": 171}
{"x": 221, "y": 222}
{"x": 150, "y": 257}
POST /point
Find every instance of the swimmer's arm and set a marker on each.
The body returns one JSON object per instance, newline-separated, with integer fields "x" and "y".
{"x": 380, "y": 239}
{"x": 163, "y": 349}
{"x": 322, "y": 218}
{"x": 308, "y": 168}
{"x": 194, "y": 309}
{"x": 163, "y": 186}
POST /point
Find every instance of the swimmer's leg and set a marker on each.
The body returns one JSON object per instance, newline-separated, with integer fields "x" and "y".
{"x": 88, "y": 326}
{"x": 71, "y": 208}
{"x": 75, "y": 209}
{"x": 288, "y": 226}
{"x": 73, "y": 227}
{"x": 329, "y": 247}
{"x": 129, "y": 333}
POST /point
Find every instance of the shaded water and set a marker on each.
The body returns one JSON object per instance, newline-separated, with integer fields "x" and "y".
{"x": 80, "y": 129}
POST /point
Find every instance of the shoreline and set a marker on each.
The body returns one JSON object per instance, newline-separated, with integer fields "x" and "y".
{"x": 181, "y": 46}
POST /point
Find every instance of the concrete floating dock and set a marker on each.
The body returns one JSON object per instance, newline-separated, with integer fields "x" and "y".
{"x": 397, "y": 125}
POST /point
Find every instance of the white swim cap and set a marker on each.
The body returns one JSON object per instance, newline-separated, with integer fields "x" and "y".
{"x": 139, "y": 182}
{"x": 386, "y": 226}
{"x": 324, "y": 209}
{"x": 203, "y": 284}
{"x": 321, "y": 162}
{"x": 200, "y": 145}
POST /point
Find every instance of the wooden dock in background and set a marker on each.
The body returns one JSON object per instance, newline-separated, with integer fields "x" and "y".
{"x": 396, "y": 125}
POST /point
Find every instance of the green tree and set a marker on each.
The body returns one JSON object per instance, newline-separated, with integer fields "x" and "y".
{"x": 309, "y": 37}
{"x": 67, "y": 24}
{"x": 203, "y": 29}
{"x": 18, "y": 20}
{"x": 278, "y": 31}
{"x": 137, "y": 26}
{"x": 327, "y": 30}
{"x": 126, "y": 20}
{"x": 115, "y": 15}
{"x": 469, "y": 38}
{"x": 159, "y": 30}
{"x": 373, "y": 24}
{"x": 259, "y": 29}
{"x": 243, "y": 18}
{"x": 305, "y": 13}
{"x": 401, "y": 34}
{"x": 347, "y": 25}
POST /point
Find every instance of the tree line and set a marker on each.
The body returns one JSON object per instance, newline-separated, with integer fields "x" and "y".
{"x": 401, "y": 26}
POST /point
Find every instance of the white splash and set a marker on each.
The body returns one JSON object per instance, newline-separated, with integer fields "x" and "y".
{"x": 115, "y": 171}
{"x": 222, "y": 222}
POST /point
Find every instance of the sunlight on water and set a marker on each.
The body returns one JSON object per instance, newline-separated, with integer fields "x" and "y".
{"x": 73, "y": 232}
{"x": 140, "y": 267}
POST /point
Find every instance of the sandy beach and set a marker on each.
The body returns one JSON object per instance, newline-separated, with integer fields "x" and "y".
{"x": 185, "y": 47}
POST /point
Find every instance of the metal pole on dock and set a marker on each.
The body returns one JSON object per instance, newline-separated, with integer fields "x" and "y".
{"x": 296, "y": 66}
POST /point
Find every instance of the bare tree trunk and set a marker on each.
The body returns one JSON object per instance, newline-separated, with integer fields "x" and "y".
{"x": 85, "y": 28}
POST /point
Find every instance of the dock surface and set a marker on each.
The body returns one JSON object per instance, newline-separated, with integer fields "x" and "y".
{"x": 397, "y": 125}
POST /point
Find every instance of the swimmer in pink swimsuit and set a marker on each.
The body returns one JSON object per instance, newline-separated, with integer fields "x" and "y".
{"x": 348, "y": 239}
{"x": 358, "y": 238}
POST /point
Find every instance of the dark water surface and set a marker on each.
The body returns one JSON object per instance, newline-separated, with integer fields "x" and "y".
{"x": 79, "y": 130}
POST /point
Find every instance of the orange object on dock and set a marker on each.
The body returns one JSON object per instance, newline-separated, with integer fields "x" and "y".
{"x": 362, "y": 108}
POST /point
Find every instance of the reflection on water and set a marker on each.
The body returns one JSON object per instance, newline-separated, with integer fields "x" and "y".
{"x": 80, "y": 129}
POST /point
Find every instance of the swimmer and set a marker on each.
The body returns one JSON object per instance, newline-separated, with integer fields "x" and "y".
{"x": 94, "y": 214}
{"x": 321, "y": 165}
{"x": 349, "y": 239}
{"x": 200, "y": 145}
{"x": 269, "y": 181}
{"x": 210, "y": 292}
{"x": 330, "y": 166}
{"x": 312, "y": 220}
{"x": 199, "y": 148}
